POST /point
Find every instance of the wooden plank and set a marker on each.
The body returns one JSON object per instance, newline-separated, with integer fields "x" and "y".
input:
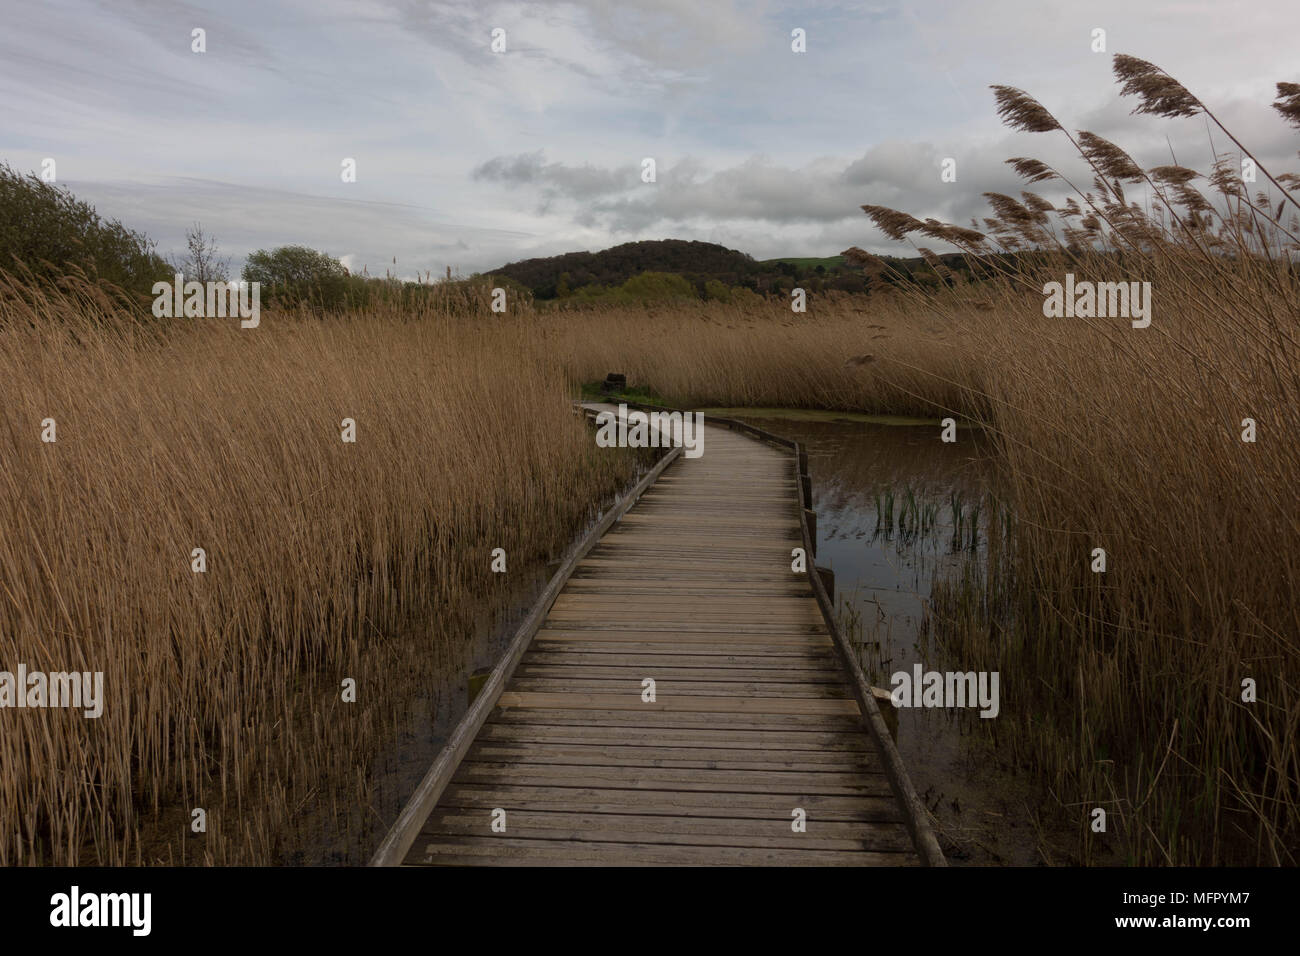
{"x": 660, "y": 670}
{"x": 647, "y": 717}
{"x": 686, "y": 831}
{"x": 670, "y": 598}
{"x": 771, "y": 741}
{"x": 670, "y": 589}
{"x": 630, "y": 576}
{"x": 676, "y": 803}
{"x": 755, "y": 619}
{"x": 503, "y": 851}
{"x": 739, "y": 550}
{"x": 829, "y": 782}
{"x": 666, "y": 563}
{"x": 683, "y": 657}
{"x": 667, "y": 687}
{"x": 709, "y": 633}
{"x": 652, "y": 609}
{"x": 685, "y": 501}
{"x": 599, "y": 568}
{"x": 659, "y": 517}
{"x": 776, "y": 652}
{"x": 715, "y": 639}
{"x": 713, "y": 705}
{"x": 697, "y": 617}
{"x": 649, "y": 755}
{"x": 661, "y": 575}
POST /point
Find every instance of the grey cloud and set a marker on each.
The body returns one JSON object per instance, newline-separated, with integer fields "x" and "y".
{"x": 904, "y": 175}
{"x": 758, "y": 190}
{"x": 555, "y": 179}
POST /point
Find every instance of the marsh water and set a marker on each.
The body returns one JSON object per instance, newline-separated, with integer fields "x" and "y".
{"x": 434, "y": 714}
{"x": 898, "y": 509}
{"x": 415, "y": 745}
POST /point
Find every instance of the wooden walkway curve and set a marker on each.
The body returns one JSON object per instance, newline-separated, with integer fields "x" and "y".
{"x": 756, "y": 719}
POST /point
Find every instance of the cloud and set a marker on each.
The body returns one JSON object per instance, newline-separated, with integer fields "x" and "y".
{"x": 471, "y": 158}
{"x": 555, "y": 179}
{"x": 757, "y": 192}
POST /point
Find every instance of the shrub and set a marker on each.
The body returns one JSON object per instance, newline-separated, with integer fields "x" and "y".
{"x": 48, "y": 232}
{"x": 297, "y": 275}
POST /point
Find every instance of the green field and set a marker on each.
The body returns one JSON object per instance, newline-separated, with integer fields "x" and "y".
{"x": 808, "y": 262}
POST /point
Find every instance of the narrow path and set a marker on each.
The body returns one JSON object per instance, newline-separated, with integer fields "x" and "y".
{"x": 754, "y": 722}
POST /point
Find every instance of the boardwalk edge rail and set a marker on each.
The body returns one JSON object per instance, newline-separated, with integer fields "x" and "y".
{"x": 392, "y": 851}
{"x": 916, "y": 817}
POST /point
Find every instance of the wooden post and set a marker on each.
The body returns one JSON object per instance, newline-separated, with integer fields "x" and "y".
{"x": 885, "y": 701}
{"x": 828, "y": 581}
{"x": 811, "y": 517}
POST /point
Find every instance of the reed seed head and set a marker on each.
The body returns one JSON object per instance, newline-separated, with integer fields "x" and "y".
{"x": 1109, "y": 158}
{"x": 1160, "y": 93}
{"x": 1021, "y": 111}
{"x": 1288, "y": 102}
{"x": 1032, "y": 170}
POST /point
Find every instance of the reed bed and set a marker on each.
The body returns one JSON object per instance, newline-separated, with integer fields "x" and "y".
{"x": 325, "y": 560}
{"x": 847, "y": 353}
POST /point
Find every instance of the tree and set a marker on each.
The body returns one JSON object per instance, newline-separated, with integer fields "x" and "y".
{"x": 717, "y": 291}
{"x": 202, "y": 262}
{"x": 295, "y": 275}
{"x": 48, "y": 232}
{"x": 657, "y": 287}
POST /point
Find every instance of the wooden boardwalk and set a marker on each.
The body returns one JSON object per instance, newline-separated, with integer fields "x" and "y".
{"x": 755, "y": 719}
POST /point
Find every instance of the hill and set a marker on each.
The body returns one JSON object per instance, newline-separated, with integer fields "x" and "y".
{"x": 593, "y": 274}
{"x": 557, "y": 275}
{"x": 828, "y": 263}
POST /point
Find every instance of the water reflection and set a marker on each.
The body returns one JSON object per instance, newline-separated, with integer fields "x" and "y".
{"x": 898, "y": 509}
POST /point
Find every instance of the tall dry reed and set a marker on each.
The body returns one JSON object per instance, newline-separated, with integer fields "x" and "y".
{"x": 325, "y": 560}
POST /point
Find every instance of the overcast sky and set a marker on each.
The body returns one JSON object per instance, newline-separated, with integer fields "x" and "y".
{"x": 470, "y": 158}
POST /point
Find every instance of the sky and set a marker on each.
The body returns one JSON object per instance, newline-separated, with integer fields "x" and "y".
{"x": 469, "y": 158}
